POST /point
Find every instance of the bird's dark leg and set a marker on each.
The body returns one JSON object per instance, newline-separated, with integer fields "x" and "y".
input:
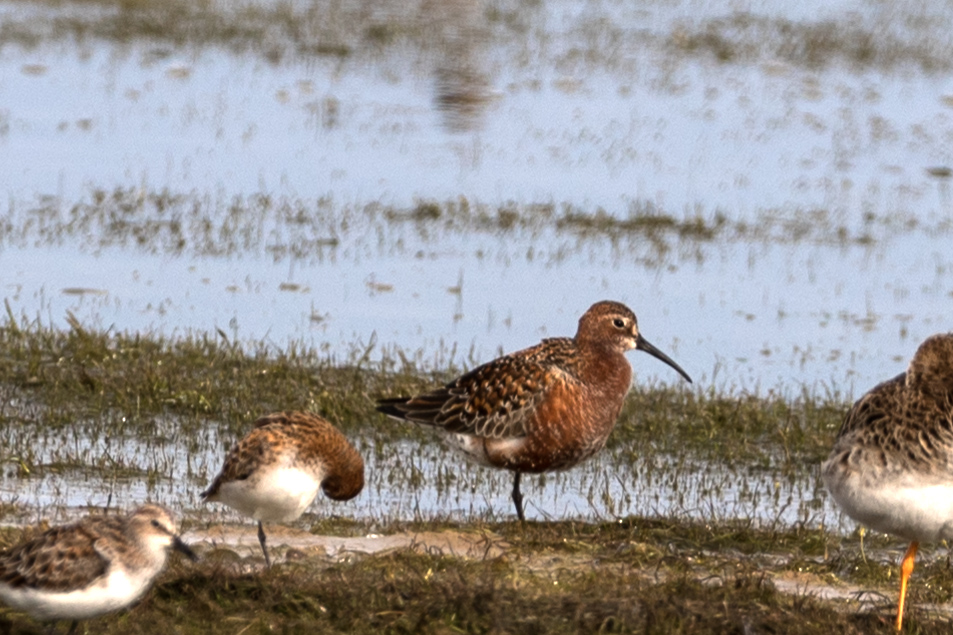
{"x": 72, "y": 628}
{"x": 261, "y": 539}
{"x": 518, "y": 497}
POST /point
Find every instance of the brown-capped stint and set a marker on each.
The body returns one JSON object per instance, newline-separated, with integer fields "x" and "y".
{"x": 273, "y": 474}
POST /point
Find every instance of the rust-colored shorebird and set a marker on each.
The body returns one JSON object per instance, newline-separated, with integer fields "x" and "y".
{"x": 892, "y": 463}
{"x": 274, "y": 473}
{"x": 544, "y": 408}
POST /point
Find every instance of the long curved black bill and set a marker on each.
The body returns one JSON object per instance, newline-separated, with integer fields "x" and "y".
{"x": 180, "y": 546}
{"x": 643, "y": 344}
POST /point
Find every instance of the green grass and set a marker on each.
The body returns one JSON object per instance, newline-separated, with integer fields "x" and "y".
{"x": 116, "y": 383}
{"x": 86, "y": 404}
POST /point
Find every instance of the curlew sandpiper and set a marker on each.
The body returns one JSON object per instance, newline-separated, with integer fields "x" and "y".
{"x": 548, "y": 407}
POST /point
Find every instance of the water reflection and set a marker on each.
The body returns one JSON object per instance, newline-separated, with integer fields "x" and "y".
{"x": 459, "y": 36}
{"x": 462, "y": 95}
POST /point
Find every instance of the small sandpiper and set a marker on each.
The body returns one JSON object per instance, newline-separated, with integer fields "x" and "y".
{"x": 274, "y": 473}
{"x": 92, "y": 567}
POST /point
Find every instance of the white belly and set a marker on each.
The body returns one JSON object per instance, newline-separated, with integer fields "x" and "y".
{"x": 280, "y": 494}
{"x": 908, "y": 506}
{"x": 112, "y": 592}
{"x": 474, "y": 449}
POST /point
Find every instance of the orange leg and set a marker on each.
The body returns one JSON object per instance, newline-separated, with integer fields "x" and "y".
{"x": 906, "y": 568}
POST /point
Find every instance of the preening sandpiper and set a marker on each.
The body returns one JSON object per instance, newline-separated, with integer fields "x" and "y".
{"x": 273, "y": 474}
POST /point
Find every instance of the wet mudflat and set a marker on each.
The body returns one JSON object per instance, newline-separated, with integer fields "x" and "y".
{"x": 213, "y": 211}
{"x": 634, "y": 575}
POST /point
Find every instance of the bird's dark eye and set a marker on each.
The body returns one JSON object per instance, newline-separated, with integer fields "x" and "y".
{"x": 155, "y": 523}
{"x": 619, "y": 323}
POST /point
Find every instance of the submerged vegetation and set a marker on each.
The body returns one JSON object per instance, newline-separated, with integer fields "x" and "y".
{"x": 163, "y": 222}
{"x": 744, "y": 37}
{"x": 273, "y": 31}
{"x": 903, "y": 36}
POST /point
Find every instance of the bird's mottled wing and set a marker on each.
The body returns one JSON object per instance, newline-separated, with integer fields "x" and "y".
{"x": 904, "y": 422}
{"x": 240, "y": 461}
{"x": 496, "y": 400}
{"x": 874, "y": 409}
{"x": 61, "y": 558}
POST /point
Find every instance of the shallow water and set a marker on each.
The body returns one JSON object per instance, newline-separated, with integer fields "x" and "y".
{"x": 751, "y": 142}
{"x": 838, "y": 172}
{"x": 414, "y": 481}
{"x": 769, "y": 317}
